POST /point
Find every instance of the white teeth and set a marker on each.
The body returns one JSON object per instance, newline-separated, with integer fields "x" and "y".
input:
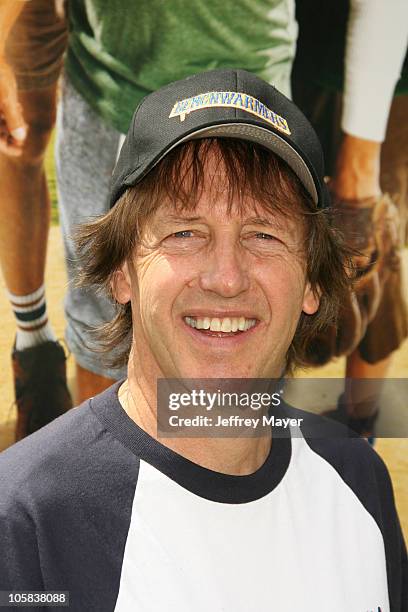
{"x": 241, "y": 323}
{"x": 202, "y": 323}
{"x": 225, "y": 325}
{"x": 215, "y": 325}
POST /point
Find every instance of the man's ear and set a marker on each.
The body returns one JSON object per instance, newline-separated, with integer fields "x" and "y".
{"x": 311, "y": 300}
{"x": 121, "y": 284}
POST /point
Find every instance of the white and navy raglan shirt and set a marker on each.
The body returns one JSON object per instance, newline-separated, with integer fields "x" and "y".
{"x": 93, "y": 505}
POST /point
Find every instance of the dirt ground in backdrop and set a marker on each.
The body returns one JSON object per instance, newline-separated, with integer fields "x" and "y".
{"x": 393, "y": 451}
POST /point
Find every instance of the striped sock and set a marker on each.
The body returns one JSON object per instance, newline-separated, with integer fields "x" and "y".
{"x": 32, "y": 320}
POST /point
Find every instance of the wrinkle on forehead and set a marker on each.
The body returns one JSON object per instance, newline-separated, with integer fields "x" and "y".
{"x": 243, "y": 175}
{"x": 247, "y": 177}
{"x": 217, "y": 195}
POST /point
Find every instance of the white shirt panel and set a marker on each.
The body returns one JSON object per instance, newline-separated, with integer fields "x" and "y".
{"x": 185, "y": 553}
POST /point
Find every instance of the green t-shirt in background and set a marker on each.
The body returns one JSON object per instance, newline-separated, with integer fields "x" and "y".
{"x": 120, "y": 51}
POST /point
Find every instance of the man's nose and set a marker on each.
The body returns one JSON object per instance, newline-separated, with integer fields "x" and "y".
{"x": 224, "y": 270}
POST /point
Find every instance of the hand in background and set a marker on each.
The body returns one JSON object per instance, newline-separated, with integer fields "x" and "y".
{"x": 357, "y": 174}
{"x": 13, "y": 129}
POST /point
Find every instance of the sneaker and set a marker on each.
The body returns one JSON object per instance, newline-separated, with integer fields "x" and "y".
{"x": 40, "y": 386}
{"x": 364, "y": 427}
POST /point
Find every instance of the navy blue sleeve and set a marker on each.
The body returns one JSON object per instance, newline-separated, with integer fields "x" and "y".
{"x": 20, "y": 568}
{"x": 66, "y": 495}
{"x": 19, "y": 558}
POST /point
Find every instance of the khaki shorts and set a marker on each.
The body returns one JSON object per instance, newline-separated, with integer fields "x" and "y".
{"x": 389, "y": 327}
{"x": 36, "y": 45}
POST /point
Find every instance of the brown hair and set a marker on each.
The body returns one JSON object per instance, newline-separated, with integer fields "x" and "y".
{"x": 106, "y": 243}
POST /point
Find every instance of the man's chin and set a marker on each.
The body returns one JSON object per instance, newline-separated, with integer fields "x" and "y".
{"x": 227, "y": 370}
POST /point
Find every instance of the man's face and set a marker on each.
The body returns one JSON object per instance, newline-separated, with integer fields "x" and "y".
{"x": 216, "y": 295}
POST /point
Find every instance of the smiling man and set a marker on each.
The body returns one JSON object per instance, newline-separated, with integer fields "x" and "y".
{"x": 220, "y": 258}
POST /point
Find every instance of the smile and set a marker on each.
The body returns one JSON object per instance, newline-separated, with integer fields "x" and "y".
{"x": 226, "y": 325}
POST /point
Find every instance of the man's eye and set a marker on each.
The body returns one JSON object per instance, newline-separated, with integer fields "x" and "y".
{"x": 183, "y": 234}
{"x": 264, "y": 236}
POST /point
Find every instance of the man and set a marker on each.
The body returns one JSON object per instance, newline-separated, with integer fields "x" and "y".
{"x": 336, "y": 44}
{"x": 221, "y": 260}
{"x": 33, "y": 38}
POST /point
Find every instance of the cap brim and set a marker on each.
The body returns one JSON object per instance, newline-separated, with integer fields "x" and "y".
{"x": 262, "y": 136}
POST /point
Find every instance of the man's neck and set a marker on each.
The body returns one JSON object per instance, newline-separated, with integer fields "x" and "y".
{"x": 235, "y": 456}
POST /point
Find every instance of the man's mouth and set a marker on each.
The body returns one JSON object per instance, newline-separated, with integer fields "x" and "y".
{"x": 215, "y": 326}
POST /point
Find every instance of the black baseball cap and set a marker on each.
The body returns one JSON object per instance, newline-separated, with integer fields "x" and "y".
{"x": 220, "y": 104}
